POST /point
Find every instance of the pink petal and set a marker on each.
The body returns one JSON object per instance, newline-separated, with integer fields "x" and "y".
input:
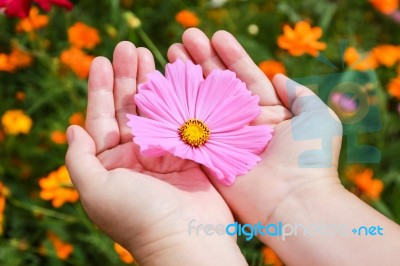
{"x": 224, "y": 103}
{"x": 185, "y": 79}
{"x": 229, "y": 162}
{"x": 221, "y": 100}
{"x": 250, "y": 138}
{"x": 158, "y": 100}
{"x": 215, "y": 88}
{"x": 148, "y": 133}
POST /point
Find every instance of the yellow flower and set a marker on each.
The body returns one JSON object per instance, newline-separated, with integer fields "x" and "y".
{"x": 271, "y": 68}
{"x": 124, "y": 254}
{"x": 63, "y": 249}
{"x": 187, "y": 19}
{"x": 81, "y": 35}
{"x": 16, "y": 122}
{"x": 33, "y": 22}
{"x": 77, "y": 60}
{"x": 394, "y": 87}
{"x": 132, "y": 20}
{"x": 302, "y": 39}
{"x": 58, "y": 188}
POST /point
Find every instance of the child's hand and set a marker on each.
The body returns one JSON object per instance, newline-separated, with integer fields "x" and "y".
{"x": 297, "y": 182}
{"x": 145, "y": 204}
{"x": 292, "y": 109}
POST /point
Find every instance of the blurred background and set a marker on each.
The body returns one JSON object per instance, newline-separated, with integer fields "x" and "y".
{"x": 348, "y": 52}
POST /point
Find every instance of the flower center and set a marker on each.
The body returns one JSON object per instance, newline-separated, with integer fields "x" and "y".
{"x": 194, "y": 132}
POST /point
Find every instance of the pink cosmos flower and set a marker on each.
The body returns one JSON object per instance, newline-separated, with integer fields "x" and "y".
{"x": 204, "y": 120}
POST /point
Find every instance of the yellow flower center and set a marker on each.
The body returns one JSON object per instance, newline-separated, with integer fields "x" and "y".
{"x": 194, "y": 132}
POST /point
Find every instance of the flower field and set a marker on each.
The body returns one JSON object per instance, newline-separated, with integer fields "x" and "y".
{"x": 348, "y": 52}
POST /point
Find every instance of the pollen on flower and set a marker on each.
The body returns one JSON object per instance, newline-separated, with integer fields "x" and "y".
{"x": 194, "y": 132}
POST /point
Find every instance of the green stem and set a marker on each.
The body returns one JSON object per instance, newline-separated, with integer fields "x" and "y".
{"x": 157, "y": 54}
{"x": 40, "y": 210}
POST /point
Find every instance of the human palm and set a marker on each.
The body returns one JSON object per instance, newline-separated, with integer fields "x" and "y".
{"x": 291, "y": 162}
{"x": 131, "y": 197}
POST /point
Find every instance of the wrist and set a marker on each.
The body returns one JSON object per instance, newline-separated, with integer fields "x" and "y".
{"x": 298, "y": 204}
{"x": 190, "y": 250}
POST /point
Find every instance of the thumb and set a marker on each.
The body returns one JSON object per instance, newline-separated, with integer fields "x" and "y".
{"x": 83, "y": 166}
{"x": 296, "y": 97}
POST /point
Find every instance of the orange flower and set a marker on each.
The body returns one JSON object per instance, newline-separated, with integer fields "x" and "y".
{"x": 16, "y": 122}
{"x": 82, "y": 36}
{"x": 353, "y": 58}
{"x": 5, "y": 64}
{"x": 58, "y": 188}
{"x": 386, "y": 54}
{"x": 369, "y": 186}
{"x": 187, "y": 18}
{"x": 124, "y": 254}
{"x": 63, "y": 249}
{"x": 385, "y": 6}
{"x": 33, "y": 22}
{"x": 16, "y": 59}
{"x": 352, "y": 171}
{"x": 77, "y": 119}
{"x": 20, "y": 58}
{"x": 58, "y": 137}
{"x": 301, "y": 39}
{"x": 270, "y": 257}
{"x": 20, "y": 95}
{"x": 271, "y": 68}
{"x": 77, "y": 60}
{"x": 394, "y": 87}
{"x": 3, "y": 193}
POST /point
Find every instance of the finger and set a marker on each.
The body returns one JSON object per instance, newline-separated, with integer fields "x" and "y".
{"x": 272, "y": 115}
{"x": 296, "y": 97}
{"x": 200, "y": 49}
{"x": 122, "y": 156}
{"x": 125, "y": 64}
{"x": 237, "y": 60}
{"x": 100, "y": 120}
{"x": 145, "y": 64}
{"x": 178, "y": 51}
{"x": 83, "y": 166}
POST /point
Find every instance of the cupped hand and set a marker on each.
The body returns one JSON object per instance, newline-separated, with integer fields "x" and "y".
{"x": 145, "y": 204}
{"x": 303, "y": 154}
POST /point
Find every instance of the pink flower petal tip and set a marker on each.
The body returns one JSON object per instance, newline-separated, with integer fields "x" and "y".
{"x": 204, "y": 120}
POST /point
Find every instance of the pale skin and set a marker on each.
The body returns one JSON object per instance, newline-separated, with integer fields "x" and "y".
{"x": 146, "y": 204}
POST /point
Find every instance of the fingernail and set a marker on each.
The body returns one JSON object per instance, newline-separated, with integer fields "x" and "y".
{"x": 70, "y": 135}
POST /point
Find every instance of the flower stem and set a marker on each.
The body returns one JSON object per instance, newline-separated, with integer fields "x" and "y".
{"x": 146, "y": 39}
{"x": 40, "y": 210}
